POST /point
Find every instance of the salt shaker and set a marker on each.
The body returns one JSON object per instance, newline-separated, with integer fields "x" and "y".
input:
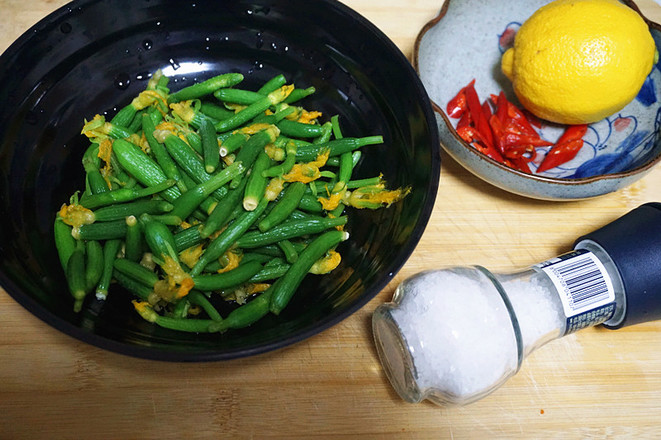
{"x": 455, "y": 335}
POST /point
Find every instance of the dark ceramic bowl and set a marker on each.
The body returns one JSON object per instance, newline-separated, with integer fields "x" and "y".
{"x": 93, "y": 56}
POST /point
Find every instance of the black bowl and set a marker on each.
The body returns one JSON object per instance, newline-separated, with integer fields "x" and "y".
{"x": 93, "y": 56}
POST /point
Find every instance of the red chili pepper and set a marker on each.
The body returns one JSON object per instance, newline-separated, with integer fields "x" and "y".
{"x": 501, "y": 105}
{"x": 457, "y": 105}
{"x": 464, "y": 121}
{"x": 520, "y": 151}
{"x": 573, "y": 132}
{"x": 510, "y": 139}
{"x": 534, "y": 120}
{"x": 517, "y": 115}
{"x": 505, "y": 133}
{"x": 566, "y": 148}
{"x": 521, "y": 164}
{"x": 560, "y": 154}
{"x": 474, "y": 137}
{"x": 498, "y": 132}
{"x": 486, "y": 110}
{"x": 475, "y": 109}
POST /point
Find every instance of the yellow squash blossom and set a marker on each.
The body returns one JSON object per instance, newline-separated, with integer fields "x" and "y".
{"x": 307, "y": 172}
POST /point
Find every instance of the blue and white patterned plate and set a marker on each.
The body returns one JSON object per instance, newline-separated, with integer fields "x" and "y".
{"x": 466, "y": 41}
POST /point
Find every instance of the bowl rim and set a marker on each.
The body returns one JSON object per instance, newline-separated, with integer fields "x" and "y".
{"x": 534, "y": 177}
{"x": 207, "y": 355}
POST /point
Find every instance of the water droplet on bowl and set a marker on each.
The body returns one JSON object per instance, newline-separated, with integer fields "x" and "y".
{"x": 274, "y": 46}
{"x": 175, "y": 65}
{"x": 65, "y": 28}
{"x": 147, "y": 44}
{"x": 122, "y": 81}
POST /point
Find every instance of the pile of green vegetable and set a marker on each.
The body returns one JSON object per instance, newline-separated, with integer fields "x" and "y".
{"x": 212, "y": 192}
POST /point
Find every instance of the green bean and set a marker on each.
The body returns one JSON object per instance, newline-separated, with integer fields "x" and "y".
{"x": 136, "y": 123}
{"x": 136, "y": 271}
{"x": 284, "y": 207}
{"x": 94, "y": 264}
{"x": 188, "y": 160}
{"x": 100, "y": 231}
{"x": 187, "y": 238}
{"x": 310, "y": 203}
{"x": 285, "y": 166}
{"x": 326, "y": 132}
{"x": 125, "y": 115}
{"x": 256, "y": 183}
{"x": 247, "y": 314}
{"x": 249, "y": 112}
{"x": 64, "y": 241}
{"x": 168, "y": 219}
{"x": 231, "y": 278}
{"x": 282, "y": 110}
{"x": 160, "y": 153}
{"x": 215, "y": 111}
{"x": 115, "y": 131}
{"x": 237, "y": 96}
{"x": 180, "y": 324}
{"x": 223, "y": 210}
{"x": 298, "y": 94}
{"x": 195, "y": 141}
{"x": 206, "y": 87}
{"x": 190, "y": 200}
{"x": 142, "y": 167}
{"x": 289, "y": 282}
{"x": 76, "y": 276}
{"x": 135, "y": 287}
{"x": 126, "y": 194}
{"x": 299, "y": 129}
{"x": 160, "y": 240}
{"x": 181, "y": 308}
{"x": 232, "y": 143}
{"x": 210, "y": 148}
{"x": 288, "y": 230}
{"x": 91, "y": 166}
{"x": 110, "y": 250}
{"x": 227, "y": 238}
{"x": 359, "y": 183}
{"x": 133, "y": 239}
{"x": 336, "y": 147}
{"x": 122, "y": 210}
{"x": 291, "y": 255}
{"x": 201, "y": 300}
{"x": 253, "y": 146}
{"x": 272, "y": 84}
{"x": 270, "y": 272}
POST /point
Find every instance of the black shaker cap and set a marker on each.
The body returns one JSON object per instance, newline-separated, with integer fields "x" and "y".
{"x": 633, "y": 241}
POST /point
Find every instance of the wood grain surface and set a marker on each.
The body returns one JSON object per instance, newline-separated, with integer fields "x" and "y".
{"x": 592, "y": 384}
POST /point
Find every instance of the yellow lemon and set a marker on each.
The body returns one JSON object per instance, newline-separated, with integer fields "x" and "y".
{"x": 579, "y": 61}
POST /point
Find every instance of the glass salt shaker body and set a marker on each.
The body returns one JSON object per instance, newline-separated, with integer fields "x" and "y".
{"x": 455, "y": 335}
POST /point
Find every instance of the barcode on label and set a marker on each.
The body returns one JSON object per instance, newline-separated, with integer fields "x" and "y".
{"x": 582, "y": 282}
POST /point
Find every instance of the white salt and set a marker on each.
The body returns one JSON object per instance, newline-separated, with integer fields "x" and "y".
{"x": 460, "y": 333}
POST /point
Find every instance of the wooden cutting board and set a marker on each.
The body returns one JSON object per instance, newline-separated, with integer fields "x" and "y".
{"x": 593, "y": 384}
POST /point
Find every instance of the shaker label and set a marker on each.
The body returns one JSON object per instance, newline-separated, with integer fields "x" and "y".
{"x": 585, "y": 289}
